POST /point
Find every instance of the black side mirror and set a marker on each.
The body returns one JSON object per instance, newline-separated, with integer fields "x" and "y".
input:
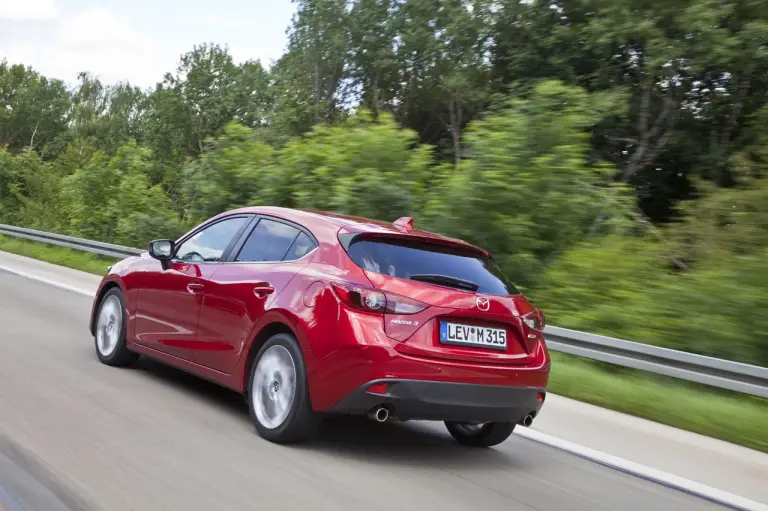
{"x": 161, "y": 249}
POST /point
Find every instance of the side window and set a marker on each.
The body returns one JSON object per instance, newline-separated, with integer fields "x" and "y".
{"x": 301, "y": 247}
{"x": 269, "y": 241}
{"x": 209, "y": 244}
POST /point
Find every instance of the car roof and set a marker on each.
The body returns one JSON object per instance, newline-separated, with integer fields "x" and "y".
{"x": 353, "y": 224}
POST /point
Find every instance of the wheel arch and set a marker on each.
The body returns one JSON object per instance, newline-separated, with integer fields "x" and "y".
{"x": 270, "y": 328}
{"x": 274, "y": 322}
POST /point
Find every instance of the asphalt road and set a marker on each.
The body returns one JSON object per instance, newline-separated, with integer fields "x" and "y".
{"x": 77, "y": 435}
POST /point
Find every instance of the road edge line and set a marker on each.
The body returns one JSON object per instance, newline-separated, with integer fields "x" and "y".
{"x": 50, "y": 282}
{"x": 614, "y": 462}
{"x": 643, "y": 472}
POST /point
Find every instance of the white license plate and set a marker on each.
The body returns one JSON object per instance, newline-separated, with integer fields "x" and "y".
{"x": 470, "y": 335}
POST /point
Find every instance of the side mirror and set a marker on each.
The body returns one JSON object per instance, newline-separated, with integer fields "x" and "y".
{"x": 161, "y": 249}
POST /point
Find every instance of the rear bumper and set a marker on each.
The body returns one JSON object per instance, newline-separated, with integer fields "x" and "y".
{"x": 444, "y": 401}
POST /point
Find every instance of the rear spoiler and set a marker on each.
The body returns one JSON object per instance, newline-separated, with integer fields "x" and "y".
{"x": 347, "y": 238}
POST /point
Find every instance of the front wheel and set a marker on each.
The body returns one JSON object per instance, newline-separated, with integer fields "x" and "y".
{"x": 480, "y": 435}
{"x": 278, "y": 392}
{"x": 110, "y": 331}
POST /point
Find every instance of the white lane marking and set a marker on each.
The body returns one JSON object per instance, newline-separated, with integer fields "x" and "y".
{"x": 648, "y": 473}
{"x": 50, "y": 282}
{"x": 614, "y": 462}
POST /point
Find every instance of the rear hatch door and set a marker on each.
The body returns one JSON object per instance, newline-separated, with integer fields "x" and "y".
{"x": 471, "y": 312}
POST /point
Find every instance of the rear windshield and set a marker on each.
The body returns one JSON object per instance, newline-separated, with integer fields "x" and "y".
{"x": 431, "y": 263}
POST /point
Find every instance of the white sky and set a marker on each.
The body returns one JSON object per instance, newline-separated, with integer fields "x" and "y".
{"x": 136, "y": 40}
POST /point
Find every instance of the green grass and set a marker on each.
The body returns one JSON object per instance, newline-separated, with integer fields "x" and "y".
{"x": 62, "y": 256}
{"x": 719, "y": 414}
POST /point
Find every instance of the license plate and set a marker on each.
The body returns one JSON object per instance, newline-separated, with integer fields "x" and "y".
{"x": 470, "y": 335}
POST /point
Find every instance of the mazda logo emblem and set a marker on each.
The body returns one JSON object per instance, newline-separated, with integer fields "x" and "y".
{"x": 483, "y": 304}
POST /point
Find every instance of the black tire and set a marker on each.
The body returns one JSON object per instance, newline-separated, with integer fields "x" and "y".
{"x": 120, "y": 355}
{"x": 486, "y": 435}
{"x": 301, "y": 422}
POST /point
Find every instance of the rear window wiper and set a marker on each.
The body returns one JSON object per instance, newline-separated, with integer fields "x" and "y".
{"x": 445, "y": 280}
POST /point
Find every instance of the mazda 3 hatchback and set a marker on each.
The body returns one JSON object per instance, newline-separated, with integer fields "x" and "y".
{"x": 310, "y": 314}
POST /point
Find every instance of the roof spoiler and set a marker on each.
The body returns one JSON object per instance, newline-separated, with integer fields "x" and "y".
{"x": 346, "y": 239}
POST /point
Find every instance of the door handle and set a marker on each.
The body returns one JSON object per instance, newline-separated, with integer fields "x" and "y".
{"x": 262, "y": 290}
{"x": 194, "y": 287}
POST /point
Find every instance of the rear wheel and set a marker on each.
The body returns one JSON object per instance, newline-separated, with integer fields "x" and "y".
{"x": 110, "y": 331}
{"x": 278, "y": 392}
{"x": 480, "y": 435}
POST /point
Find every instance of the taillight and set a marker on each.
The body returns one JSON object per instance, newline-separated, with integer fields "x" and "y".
{"x": 360, "y": 298}
{"x": 535, "y": 320}
{"x": 373, "y": 300}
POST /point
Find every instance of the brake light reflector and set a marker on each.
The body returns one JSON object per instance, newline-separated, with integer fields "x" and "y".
{"x": 397, "y": 304}
{"x": 373, "y": 300}
{"x": 378, "y": 388}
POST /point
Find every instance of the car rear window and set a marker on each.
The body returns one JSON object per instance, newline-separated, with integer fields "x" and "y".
{"x": 408, "y": 259}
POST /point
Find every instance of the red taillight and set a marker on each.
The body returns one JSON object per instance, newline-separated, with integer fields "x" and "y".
{"x": 373, "y": 300}
{"x": 360, "y": 298}
{"x": 534, "y": 320}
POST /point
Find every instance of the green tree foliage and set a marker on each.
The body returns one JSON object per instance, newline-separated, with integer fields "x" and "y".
{"x": 527, "y": 192}
{"x": 623, "y": 287}
{"x": 32, "y": 108}
{"x": 111, "y": 199}
{"x": 235, "y": 171}
{"x": 28, "y": 190}
{"x": 716, "y": 307}
{"x": 106, "y": 116}
{"x": 360, "y": 167}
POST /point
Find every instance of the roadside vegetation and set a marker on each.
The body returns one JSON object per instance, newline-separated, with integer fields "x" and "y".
{"x": 612, "y": 155}
{"x": 711, "y": 412}
{"x": 91, "y": 263}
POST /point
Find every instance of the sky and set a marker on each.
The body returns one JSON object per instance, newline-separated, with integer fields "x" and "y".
{"x": 136, "y": 40}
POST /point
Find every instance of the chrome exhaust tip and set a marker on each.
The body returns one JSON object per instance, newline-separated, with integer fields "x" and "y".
{"x": 527, "y": 420}
{"x": 380, "y": 414}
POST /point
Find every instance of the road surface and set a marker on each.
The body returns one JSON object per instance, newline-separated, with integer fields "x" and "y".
{"x": 78, "y": 435}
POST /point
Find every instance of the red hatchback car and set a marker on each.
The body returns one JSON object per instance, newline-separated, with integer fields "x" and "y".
{"x": 311, "y": 314}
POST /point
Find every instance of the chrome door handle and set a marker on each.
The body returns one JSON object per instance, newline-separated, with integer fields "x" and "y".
{"x": 263, "y": 290}
{"x": 194, "y": 287}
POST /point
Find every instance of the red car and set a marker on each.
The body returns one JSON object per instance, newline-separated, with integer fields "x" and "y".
{"x": 311, "y": 314}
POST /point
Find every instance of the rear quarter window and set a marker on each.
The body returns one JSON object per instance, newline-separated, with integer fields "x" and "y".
{"x": 405, "y": 259}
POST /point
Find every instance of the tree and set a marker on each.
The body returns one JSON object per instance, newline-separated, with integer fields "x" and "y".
{"x": 362, "y": 167}
{"x": 107, "y": 197}
{"x": 104, "y": 116}
{"x": 527, "y": 192}
{"x": 308, "y": 78}
{"x": 207, "y": 91}
{"x": 32, "y": 108}
{"x": 235, "y": 171}
{"x": 373, "y": 62}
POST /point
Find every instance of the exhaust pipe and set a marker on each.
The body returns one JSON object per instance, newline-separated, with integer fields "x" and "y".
{"x": 380, "y": 414}
{"x": 527, "y": 420}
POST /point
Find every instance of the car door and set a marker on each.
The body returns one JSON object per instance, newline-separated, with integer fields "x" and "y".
{"x": 239, "y": 293}
{"x": 171, "y": 295}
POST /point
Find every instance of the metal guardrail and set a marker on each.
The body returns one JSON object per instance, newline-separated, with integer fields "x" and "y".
{"x": 94, "y": 247}
{"x": 715, "y": 372}
{"x": 724, "y": 374}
